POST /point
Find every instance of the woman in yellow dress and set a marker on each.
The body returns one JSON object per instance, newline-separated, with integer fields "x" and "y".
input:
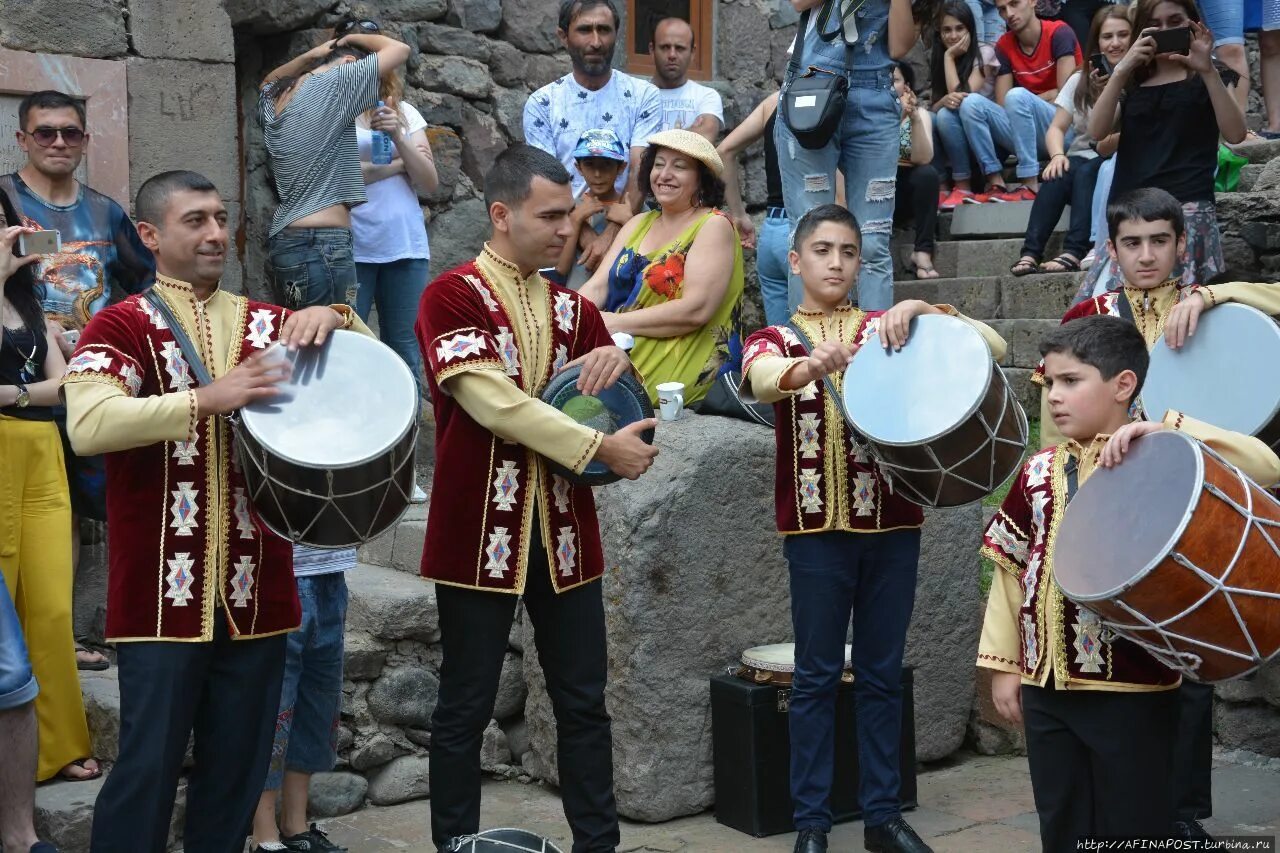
{"x": 673, "y": 276}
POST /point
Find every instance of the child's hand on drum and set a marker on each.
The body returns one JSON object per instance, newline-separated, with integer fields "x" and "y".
{"x": 1118, "y": 445}
{"x": 895, "y": 324}
{"x": 827, "y": 357}
{"x": 1006, "y": 693}
{"x": 1184, "y": 317}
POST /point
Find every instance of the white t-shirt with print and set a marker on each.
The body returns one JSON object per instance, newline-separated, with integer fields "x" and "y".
{"x": 556, "y": 116}
{"x": 390, "y": 227}
{"x": 682, "y": 106}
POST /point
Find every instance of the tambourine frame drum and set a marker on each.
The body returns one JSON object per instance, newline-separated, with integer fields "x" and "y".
{"x": 776, "y": 664}
{"x": 330, "y": 462}
{"x": 1209, "y": 378}
{"x": 938, "y": 415}
{"x": 1176, "y": 550}
{"x": 626, "y": 401}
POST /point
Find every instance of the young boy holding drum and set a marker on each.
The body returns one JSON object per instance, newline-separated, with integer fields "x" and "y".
{"x": 1100, "y": 713}
{"x": 1147, "y": 239}
{"x": 851, "y": 544}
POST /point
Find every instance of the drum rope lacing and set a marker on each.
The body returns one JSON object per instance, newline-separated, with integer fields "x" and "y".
{"x": 1186, "y": 661}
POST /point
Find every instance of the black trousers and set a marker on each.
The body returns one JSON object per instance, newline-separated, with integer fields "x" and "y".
{"x": 917, "y": 200}
{"x": 1075, "y": 188}
{"x": 228, "y": 693}
{"x": 1101, "y": 763}
{"x": 1193, "y": 752}
{"x": 569, "y": 633}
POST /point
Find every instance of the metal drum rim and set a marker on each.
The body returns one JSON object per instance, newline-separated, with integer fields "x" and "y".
{"x": 977, "y": 404}
{"x": 1181, "y": 528}
{"x": 247, "y": 426}
{"x": 774, "y": 666}
{"x": 646, "y": 413}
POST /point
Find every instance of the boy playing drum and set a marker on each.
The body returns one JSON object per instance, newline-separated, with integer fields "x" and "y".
{"x": 1100, "y": 714}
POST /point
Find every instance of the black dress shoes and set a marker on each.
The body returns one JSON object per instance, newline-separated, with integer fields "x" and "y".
{"x": 811, "y": 841}
{"x": 896, "y": 836}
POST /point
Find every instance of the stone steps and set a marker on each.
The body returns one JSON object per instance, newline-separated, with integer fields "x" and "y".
{"x": 968, "y": 258}
{"x": 998, "y": 297}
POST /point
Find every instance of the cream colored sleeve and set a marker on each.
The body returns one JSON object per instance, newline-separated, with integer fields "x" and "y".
{"x": 101, "y": 418}
{"x": 763, "y": 378}
{"x": 1264, "y": 297}
{"x": 1258, "y": 462}
{"x": 993, "y": 339}
{"x": 1000, "y": 646}
{"x": 495, "y": 403}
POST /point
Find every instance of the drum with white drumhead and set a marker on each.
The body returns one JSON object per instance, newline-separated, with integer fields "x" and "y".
{"x": 938, "y": 415}
{"x": 776, "y": 664}
{"x": 329, "y": 461}
{"x": 1224, "y": 374}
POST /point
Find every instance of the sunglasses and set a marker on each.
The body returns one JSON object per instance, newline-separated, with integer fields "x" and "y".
{"x": 367, "y": 26}
{"x": 46, "y": 136}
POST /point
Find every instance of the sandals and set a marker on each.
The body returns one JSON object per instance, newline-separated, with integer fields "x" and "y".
{"x": 81, "y": 762}
{"x": 91, "y": 665}
{"x": 1065, "y": 263}
{"x": 1025, "y": 265}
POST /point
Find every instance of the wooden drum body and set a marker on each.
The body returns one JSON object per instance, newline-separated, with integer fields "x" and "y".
{"x": 1178, "y": 551}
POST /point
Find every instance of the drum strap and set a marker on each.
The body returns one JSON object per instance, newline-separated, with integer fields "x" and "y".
{"x": 1125, "y": 308}
{"x": 1072, "y": 470}
{"x": 180, "y": 335}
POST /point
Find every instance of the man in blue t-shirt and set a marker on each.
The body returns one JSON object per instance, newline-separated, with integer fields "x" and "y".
{"x": 593, "y": 95}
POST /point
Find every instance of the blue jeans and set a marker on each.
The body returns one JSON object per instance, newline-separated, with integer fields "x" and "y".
{"x": 1225, "y": 19}
{"x": 1101, "y": 192}
{"x": 953, "y": 146}
{"x": 865, "y": 149}
{"x": 871, "y": 577}
{"x": 1019, "y": 126}
{"x": 397, "y": 286}
{"x": 312, "y": 266}
{"x": 311, "y": 694}
{"x": 772, "y": 244}
{"x": 987, "y": 19}
{"x": 17, "y": 684}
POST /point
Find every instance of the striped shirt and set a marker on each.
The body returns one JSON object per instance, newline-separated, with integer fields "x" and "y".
{"x": 312, "y": 142}
{"x": 321, "y": 561}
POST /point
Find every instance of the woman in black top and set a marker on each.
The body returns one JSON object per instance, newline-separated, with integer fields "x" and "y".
{"x": 35, "y": 511}
{"x": 1170, "y": 110}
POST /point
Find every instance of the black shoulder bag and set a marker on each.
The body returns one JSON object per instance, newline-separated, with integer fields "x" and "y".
{"x": 813, "y": 103}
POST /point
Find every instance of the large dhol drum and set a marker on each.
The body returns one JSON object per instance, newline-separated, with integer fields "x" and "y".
{"x": 504, "y": 840}
{"x": 1176, "y": 550}
{"x": 1209, "y": 377}
{"x": 621, "y": 404}
{"x": 938, "y": 415}
{"x": 329, "y": 462}
{"x": 776, "y": 664}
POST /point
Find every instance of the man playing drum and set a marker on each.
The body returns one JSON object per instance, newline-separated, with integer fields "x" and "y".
{"x": 200, "y": 593}
{"x": 1100, "y": 713}
{"x": 851, "y": 544}
{"x": 1147, "y": 240}
{"x": 502, "y": 524}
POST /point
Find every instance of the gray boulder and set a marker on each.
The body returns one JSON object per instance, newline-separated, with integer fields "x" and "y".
{"x": 377, "y": 751}
{"x": 405, "y": 697}
{"x": 363, "y": 657}
{"x": 101, "y": 692}
{"x": 334, "y": 794}
{"x": 511, "y": 688}
{"x": 392, "y": 605}
{"x": 406, "y": 778}
{"x": 495, "y": 753}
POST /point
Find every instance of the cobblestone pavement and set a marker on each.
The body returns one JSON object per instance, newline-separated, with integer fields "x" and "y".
{"x": 973, "y": 804}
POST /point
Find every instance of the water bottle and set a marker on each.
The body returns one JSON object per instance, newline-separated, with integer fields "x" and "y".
{"x": 381, "y": 147}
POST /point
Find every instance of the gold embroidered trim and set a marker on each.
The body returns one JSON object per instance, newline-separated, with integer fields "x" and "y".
{"x": 193, "y": 416}
{"x": 1000, "y": 512}
{"x": 588, "y": 452}
{"x": 998, "y": 659}
{"x": 164, "y": 515}
{"x": 467, "y": 366}
{"x": 497, "y": 259}
{"x": 484, "y": 514}
{"x": 176, "y": 284}
{"x": 1057, "y": 647}
{"x": 101, "y": 378}
{"x": 1000, "y": 559}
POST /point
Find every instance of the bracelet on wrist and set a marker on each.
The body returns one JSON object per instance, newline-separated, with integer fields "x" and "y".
{"x": 1059, "y": 154}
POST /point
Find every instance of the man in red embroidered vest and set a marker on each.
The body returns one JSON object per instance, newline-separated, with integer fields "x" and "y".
{"x": 502, "y": 524}
{"x": 200, "y": 593}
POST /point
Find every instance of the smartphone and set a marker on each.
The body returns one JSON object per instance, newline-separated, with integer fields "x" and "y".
{"x": 1099, "y": 62}
{"x": 72, "y": 336}
{"x": 40, "y": 243}
{"x": 1176, "y": 40}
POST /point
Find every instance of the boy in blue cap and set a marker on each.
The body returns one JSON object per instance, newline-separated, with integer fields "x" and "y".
{"x": 600, "y": 157}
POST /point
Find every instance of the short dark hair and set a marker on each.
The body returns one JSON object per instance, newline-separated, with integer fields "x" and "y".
{"x": 710, "y": 188}
{"x": 907, "y": 71}
{"x": 153, "y": 196}
{"x": 1148, "y": 204}
{"x": 512, "y": 174}
{"x": 570, "y": 9}
{"x": 1111, "y": 344}
{"x": 809, "y": 223}
{"x": 49, "y": 99}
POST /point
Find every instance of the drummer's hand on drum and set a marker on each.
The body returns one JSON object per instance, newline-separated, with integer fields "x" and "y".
{"x": 1006, "y": 693}
{"x": 895, "y": 324}
{"x": 626, "y": 453}
{"x": 600, "y": 369}
{"x": 255, "y": 378}
{"x": 1183, "y": 319}
{"x": 826, "y": 358}
{"x": 1118, "y": 445}
{"x": 310, "y": 326}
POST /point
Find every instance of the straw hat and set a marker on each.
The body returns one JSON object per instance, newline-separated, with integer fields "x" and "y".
{"x": 692, "y": 144}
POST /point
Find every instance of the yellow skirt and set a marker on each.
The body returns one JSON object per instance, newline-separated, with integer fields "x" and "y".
{"x": 35, "y": 559}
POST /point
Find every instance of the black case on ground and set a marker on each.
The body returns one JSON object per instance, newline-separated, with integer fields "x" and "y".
{"x": 751, "y": 749}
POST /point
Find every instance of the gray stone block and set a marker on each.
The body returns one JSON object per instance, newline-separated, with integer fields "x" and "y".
{"x": 1255, "y": 727}
{"x": 508, "y": 111}
{"x": 391, "y": 605}
{"x": 451, "y": 41}
{"x": 494, "y": 751}
{"x": 405, "y": 696}
{"x": 997, "y": 220}
{"x": 413, "y": 10}
{"x": 508, "y": 65}
{"x": 64, "y": 813}
{"x": 1025, "y": 391}
{"x": 744, "y": 45}
{"x": 517, "y": 731}
{"x": 530, "y": 26}
{"x": 446, "y": 146}
{"x": 485, "y": 141}
{"x": 277, "y": 16}
{"x": 335, "y": 794}
{"x": 689, "y": 586}
{"x": 363, "y": 657}
{"x": 406, "y": 778}
{"x": 1023, "y": 337}
{"x": 978, "y": 298}
{"x": 90, "y": 583}
{"x": 543, "y": 68}
{"x": 377, "y": 751}
{"x": 181, "y": 29}
{"x": 511, "y": 688}
{"x": 1259, "y": 152}
{"x": 1043, "y": 297}
{"x": 479, "y": 16}
{"x": 459, "y": 235}
{"x": 1249, "y": 176}
{"x": 456, "y": 75}
{"x": 93, "y": 28}
{"x": 101, "y": 692}
{"x": 182, "y": 115}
